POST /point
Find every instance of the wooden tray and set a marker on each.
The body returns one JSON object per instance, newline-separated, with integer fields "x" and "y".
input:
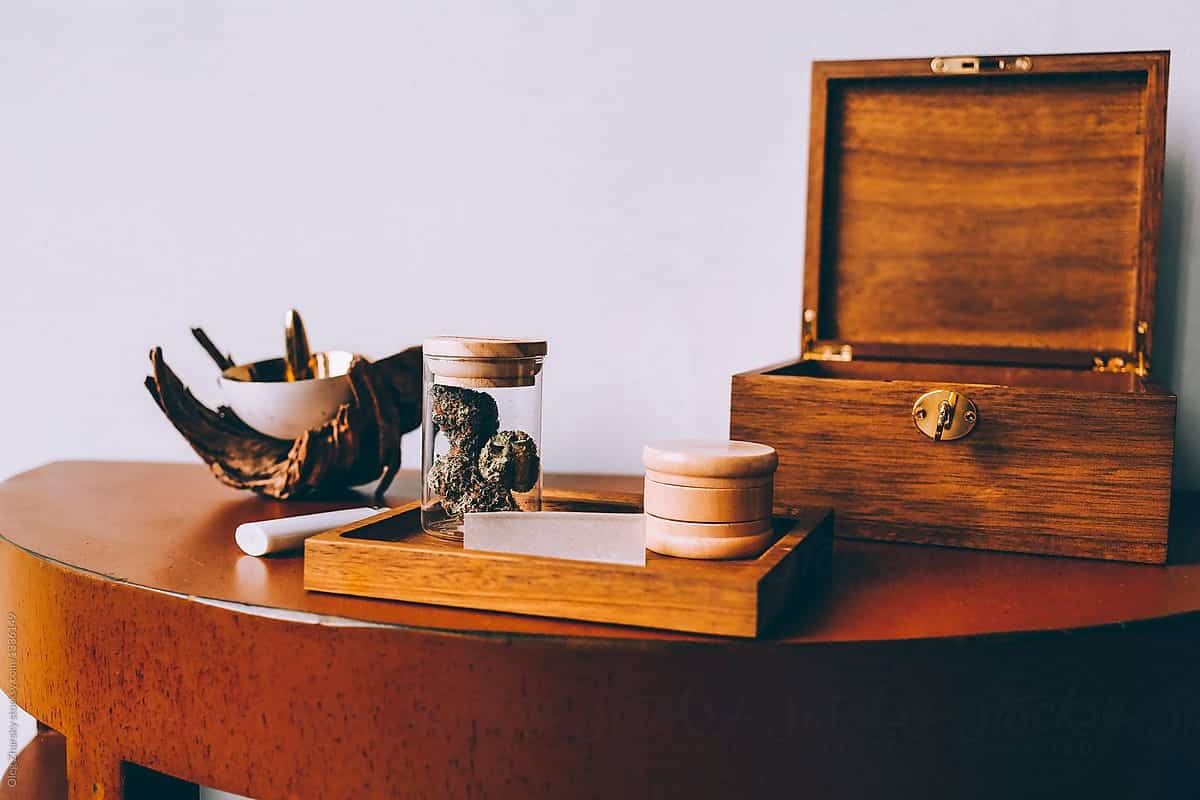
{"x": 389, "y": 556}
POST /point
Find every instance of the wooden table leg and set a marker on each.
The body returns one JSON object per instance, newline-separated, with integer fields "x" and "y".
{"x": 92, "y": 773}
{"x": 40, "y": 771}
{"x": 95, "y": 774}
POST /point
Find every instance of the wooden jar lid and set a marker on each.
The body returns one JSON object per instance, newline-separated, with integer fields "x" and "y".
{"x": 484, "y": 363}
{"x": 479, "y": 347}
{"x": 482, "y": 372}
{"x": 710, "y": 459}
{"x": 693, "y": 504}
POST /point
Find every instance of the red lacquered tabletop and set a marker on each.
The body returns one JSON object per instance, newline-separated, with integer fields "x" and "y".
{"x": 166, "y": 659}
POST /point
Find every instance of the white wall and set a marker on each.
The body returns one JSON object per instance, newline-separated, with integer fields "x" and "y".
{"x": 625, "y": 178}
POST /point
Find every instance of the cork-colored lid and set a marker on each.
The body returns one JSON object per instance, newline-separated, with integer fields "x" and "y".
{"x": 479, "y": 363}
{"x": 481, "y": 347}
{"x": 710, "y": 458}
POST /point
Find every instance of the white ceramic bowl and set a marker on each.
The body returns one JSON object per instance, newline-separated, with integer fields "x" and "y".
{"x": 267, "y": 402}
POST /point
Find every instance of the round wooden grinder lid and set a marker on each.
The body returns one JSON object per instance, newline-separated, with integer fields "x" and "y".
{"x": 710, "y": 459}
{"x": 478, "y": 362}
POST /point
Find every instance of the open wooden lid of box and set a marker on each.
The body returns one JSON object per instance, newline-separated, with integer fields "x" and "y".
{"x": 998, "y": 209}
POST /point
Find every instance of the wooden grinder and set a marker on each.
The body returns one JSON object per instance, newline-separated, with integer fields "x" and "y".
{"x": 709, "y": 499}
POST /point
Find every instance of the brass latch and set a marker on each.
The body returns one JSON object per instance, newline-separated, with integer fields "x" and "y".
{"x": 811, "y": 351}
{"x": 943, "y": 415}
{"x": 1138, "y": 365}
{"x": 971, "y": 65}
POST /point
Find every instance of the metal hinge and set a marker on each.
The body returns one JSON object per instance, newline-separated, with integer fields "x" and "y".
{"x": 1138, "y": 365}
{"x": 810, "y": 350}
{"x": 972, "y": 65}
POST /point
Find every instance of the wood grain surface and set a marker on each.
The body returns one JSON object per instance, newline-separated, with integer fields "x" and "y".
{"x": 391, "y": 557}
{"x": 1056, "y": 471}
{"x": 882, "y": 689}
{"x": 993, "y": 210}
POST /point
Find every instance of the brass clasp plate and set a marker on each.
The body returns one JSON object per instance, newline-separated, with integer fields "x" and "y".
{"x": 973, "y": 65}
{"x": 943, "y": 415}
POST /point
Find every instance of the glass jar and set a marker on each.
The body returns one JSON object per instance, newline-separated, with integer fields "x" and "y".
{"x": 482, "y": 429}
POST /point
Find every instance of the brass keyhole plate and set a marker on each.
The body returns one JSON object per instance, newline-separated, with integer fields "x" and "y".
{"x": 954, "y": 411}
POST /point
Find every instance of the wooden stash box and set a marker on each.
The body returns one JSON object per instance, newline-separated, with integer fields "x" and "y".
{"x": 986, "y": 230}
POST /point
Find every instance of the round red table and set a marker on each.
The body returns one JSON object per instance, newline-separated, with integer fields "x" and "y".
{"x": 141, "y": 634}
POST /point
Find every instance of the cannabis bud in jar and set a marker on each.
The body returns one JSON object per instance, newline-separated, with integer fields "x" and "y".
{"x": 482, "y": 427}
{"x": 482, "y": 467}
{"x": 466, "y": 417}
{"x": 510, "y": 458}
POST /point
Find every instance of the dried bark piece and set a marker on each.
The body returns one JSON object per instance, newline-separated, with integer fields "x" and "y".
{"x": 361, "y": 443}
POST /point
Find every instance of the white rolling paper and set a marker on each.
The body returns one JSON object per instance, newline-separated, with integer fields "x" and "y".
{"x": 575, "y": 535}
{"x": 277, "y": 535}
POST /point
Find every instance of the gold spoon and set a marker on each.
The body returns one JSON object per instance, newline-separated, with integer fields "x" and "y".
{"x": 296, "y": 352}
